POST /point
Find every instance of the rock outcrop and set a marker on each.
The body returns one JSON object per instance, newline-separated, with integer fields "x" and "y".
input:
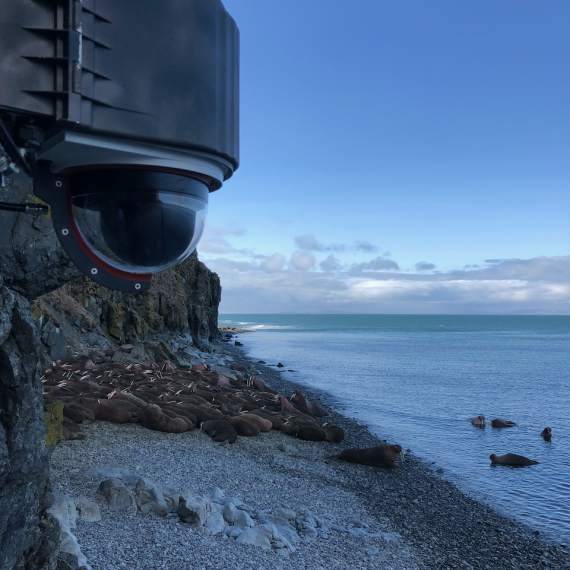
{"x": 27, "y": 538}
{"x": 32, "y": 262}
{"x": 183, "y": 299}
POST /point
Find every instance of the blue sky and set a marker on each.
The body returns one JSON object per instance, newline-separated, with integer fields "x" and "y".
{"x": 376, "y": 136}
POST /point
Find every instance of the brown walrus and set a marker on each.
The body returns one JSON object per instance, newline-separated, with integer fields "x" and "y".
{"x": 276, "y": 421}
{"x": 172, "y": 415}
{"x": 333, "y": 433}
{"x": 500, "y": 423}
{"x": 479, "y": 421}
{"x": 511, "y": 459}
{"x": 243, "y": 427}
{"x": 263, "y": 424}
{"x": 153, "y": 418}
{"x": 290, "y": 426}
{"x": 546, "y": 434}
{"x": 89, "y": 415}
{"x": 303, "y": 429}
{"x": 302, "y": 402}
{"x": 380, "y": 456}
{"x": 106, "y": 413}
{"x": 74, "y": 414}
{"x": 220, "y": 430}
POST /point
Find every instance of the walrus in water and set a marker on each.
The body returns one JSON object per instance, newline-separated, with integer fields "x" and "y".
{"x": 546, "y": 434}
{"x": 500, "y": 423}
{"x": 511, "y": 459}
{"x": 220, "y": 430}
{"x": 333, "y": 433}
{"x": 479, "y": 421}
{"x": 380, "y": 456}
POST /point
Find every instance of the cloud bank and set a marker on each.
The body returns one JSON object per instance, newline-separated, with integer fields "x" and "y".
{"x": 313, "y": 279}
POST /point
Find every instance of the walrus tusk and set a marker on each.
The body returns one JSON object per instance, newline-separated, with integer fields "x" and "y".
{"x": 402, "y": 456}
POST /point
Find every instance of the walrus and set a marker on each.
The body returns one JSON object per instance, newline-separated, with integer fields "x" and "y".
{"x": 173, "y": 415}
{"x": 479, "y": 421}
{"x": 333, "y": 433}
{"x": 302, "y": 402}
{"x": 153, "y": 418}
{"x": 511, "y": 459}
{"x": 220, "y": 430}
{"x": 276, "y": 421}
{"x": 106, "y": 413}
{"x": 263, "y": 424}
{"x": 293, "y": 422}
{"x": 500, "y": 423}
{"x": 303, "y": 429}
{"x": 380, "y": 456}
{"x": 546, "y": 434}
{"x": 243, "y": 427}
{"x": 74, "y": 414}
{"x": 71, "y": 430}
{"x": 89, "y": 415}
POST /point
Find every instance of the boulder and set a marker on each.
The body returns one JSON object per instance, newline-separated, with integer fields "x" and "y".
{"x": 193, "y": 510}
{"x": 149, "y": 498}
{"x": 117, "y": 495}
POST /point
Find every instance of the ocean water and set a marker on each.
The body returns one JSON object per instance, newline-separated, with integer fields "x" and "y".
{"x": 418, "y": 380}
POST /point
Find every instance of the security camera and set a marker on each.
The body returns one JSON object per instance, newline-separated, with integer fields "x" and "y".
{"x": 126, "y": 117}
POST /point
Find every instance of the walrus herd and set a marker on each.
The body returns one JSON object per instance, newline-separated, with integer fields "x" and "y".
{"x": 510, "y": 459}
{"x": 169, "y": 400}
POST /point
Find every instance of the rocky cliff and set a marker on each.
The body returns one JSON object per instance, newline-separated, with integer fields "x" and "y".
{"x": 69, "y": 312}
{"x": 27, "y": 538}
{"x": 183, "y": 299}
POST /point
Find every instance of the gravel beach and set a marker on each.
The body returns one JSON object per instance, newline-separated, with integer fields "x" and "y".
{"x": 405, "y": 518}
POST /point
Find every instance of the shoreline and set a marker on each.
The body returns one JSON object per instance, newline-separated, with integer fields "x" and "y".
{"x": 440, "y": 526}
{"x": 501, "y": 531}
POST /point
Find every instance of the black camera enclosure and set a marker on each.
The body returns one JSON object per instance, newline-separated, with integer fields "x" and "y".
{"x": 132, "y": 109}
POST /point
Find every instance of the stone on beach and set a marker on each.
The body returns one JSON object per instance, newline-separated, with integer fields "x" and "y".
{"x": 117, "y": 495}
{"x": 193, "y": 510}
{"x": 88, "y": 510}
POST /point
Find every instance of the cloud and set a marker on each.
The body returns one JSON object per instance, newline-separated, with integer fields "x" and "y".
{"x": 424, "y": 266}
{"x": 274, "y": 262}
{"x": 220, "y": 246}
{"x": 214, "y": 241}
{"x": 365, "y": 246}
{"x": 378, "y": 264}
{"x": 310, "y": 243}
{"x": 504, "y": 286}
{"x": 331, "y": 263}
{"x": 302, "y": 261}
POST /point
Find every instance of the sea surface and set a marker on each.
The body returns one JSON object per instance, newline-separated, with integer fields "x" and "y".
{"x": 418, "y": 380}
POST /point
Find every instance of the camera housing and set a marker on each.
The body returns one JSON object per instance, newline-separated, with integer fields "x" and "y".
{"x": 132, "y": 115}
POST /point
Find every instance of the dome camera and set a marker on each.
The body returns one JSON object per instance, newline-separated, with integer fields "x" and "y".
{"x": 124, "y": 138}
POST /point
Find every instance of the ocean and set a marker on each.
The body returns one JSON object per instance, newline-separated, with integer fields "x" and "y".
{"x": 417, "y": 380}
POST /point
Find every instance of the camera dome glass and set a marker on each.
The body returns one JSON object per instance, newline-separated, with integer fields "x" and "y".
{"x": 137, "y": 220}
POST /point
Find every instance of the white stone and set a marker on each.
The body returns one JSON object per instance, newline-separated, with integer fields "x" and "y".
{"x": 193, "y": 509}
{"x": 254, "y": 537}
{"x": 232, "y": 531}
{"x": 286, "y": 514}
{"x": 230, "y": 512}
{"x": 215, "y": 523}
{"x": 88, "y": 510}
{"x": 149, "y": 498}
{"x": 117, "y": 495}
{"x": 243, "y": 520}
{"x": 64, "y": 510}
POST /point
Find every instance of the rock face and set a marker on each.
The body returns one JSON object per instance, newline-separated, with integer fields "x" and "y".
{"x": 182, "y": 299}
{"x": 32, "y": 262}
{"x": 24, "y": 483}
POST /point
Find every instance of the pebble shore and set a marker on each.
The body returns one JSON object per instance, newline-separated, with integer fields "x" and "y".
{"x": 438, "y": 526}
